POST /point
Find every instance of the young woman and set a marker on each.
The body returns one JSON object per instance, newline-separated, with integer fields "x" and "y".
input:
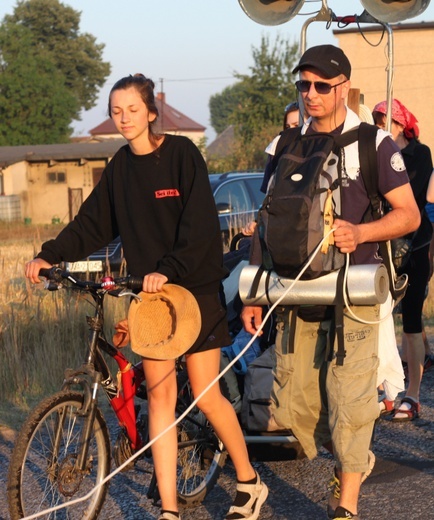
{"x": 155, "y": 194}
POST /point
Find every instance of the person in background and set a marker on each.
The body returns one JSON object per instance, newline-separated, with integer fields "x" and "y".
{"x": 418, "y": 163}
{"x": 429, "y": 208}
{"x": 155, "y": 194}
{"x": 430, "y": 195}
{"x": 291, "y": 116}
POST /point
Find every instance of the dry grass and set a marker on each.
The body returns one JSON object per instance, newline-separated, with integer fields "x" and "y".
{"x": 41, "y": 333}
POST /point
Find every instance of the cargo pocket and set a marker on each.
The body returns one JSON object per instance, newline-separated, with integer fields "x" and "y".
{"x": 281, "y": 391}
{"x": 352, "y": 393}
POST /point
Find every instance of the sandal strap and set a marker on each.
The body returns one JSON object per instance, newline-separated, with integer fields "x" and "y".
{"x": 249, "y": 488}
{"x": 412, "y": 412}
{"x": 410, "y": 401}
{"x": 244, "y": 511}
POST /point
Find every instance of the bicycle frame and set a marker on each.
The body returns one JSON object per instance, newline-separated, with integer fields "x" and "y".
{"x": 95, "y": 373}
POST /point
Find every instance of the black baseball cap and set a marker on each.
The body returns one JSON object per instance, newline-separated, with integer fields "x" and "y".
{"x": 328, "y": 59}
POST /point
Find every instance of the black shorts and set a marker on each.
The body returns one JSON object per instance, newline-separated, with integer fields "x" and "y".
{"x": 214, "y": 332}
{"x": 417, "y": 270}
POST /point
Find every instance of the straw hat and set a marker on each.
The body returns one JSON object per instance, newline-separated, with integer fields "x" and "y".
{"x": 164, "y": 325}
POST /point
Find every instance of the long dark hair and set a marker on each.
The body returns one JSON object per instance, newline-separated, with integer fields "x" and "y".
{"x": 145, "y": 87}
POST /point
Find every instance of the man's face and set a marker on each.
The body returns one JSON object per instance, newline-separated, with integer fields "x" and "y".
{"x": 322, "y": 106}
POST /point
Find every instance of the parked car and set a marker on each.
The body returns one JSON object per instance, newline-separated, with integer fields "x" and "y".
{"x": 237, "y": 196}
{"x": 107, "y": 260}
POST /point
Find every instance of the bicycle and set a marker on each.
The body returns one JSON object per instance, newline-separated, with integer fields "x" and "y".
{"x": 63, "y": 449}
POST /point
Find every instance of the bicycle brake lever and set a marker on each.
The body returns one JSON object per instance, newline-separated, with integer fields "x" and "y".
{"x": 51, "y": 285}
{"x": 124, "y": 292}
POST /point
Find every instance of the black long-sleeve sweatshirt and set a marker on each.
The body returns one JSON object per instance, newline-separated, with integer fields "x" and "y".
{"x": 162, "y": 207}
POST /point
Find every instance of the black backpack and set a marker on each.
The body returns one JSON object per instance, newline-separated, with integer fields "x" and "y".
{"x": 296, "y": 195}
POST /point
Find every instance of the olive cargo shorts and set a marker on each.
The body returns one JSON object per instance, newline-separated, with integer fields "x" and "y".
{"x": 320, "y": 401}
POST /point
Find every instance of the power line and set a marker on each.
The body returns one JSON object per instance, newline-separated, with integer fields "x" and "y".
{"x": 201, "y": 79}
{"x": 188, "y": 79}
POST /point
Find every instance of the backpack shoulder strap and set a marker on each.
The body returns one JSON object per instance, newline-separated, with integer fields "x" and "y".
{"x": 369, "y": 165}
{"x": 286, "y": 137}
{"x": 369, "y": 172}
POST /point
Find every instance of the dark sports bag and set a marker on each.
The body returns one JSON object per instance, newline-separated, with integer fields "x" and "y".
{"x": 291, "y": 221}
{"x": 258, "y": 383}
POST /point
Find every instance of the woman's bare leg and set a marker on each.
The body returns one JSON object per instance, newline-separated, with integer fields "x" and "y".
{"x": 162, "y": 393}
{"x": 203, "y": 367}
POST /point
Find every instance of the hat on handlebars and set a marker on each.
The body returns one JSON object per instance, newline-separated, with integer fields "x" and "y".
{"x": 164, "y": 325}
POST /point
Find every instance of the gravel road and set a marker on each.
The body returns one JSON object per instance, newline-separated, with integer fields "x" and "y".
{"x": 401, "y": 486}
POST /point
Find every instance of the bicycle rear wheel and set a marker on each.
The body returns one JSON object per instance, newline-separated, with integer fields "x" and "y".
{"x": 201, "y": 454}
{"x": 43, "y": 474}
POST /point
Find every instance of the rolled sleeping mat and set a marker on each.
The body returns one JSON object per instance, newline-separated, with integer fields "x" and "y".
{"x": 366, "y": 285}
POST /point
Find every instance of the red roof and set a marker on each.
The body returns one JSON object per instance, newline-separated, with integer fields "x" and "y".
{"x": 169, "y": 120}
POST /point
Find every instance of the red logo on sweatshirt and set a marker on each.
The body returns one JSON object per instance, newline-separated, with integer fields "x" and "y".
{"x": 160, "y": 194}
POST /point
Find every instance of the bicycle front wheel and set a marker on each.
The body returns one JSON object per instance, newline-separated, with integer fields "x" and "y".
{"x": 43, "y": 472}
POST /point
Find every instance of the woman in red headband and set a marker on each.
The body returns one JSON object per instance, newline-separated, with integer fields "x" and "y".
{"x": 418, "y": 162}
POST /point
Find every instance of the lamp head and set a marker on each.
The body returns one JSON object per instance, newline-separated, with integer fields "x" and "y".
{"x": 393, "y": 11}
{"x": 271, "y": 12}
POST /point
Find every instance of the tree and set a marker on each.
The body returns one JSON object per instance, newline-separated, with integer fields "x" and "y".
{"x": 255, "y": 103}
{"x": 223, "y": 105}
{"x": 48, "y": 72}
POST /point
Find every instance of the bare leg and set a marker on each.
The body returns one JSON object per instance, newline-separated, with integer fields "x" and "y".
{"x": 404, "y": 348}
{"x": 162, "y": 392}
{"x": 350, "y": 489}
{"x": 426, "y": 342}
{"x": 203, "y": 367}
{"x": 415, "y": 359}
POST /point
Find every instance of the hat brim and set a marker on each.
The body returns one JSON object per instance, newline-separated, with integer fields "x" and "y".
{"x": 164, "y": 325}
{"x": 327, "y": 72}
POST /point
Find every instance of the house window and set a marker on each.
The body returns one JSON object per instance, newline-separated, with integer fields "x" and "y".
{"x": 56, "y": 177}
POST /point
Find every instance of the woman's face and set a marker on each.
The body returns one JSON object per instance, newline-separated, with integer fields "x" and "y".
{"x": 395, "y": 129}
{"x": 292, "y": 119}
{"x": 130, "y": 114}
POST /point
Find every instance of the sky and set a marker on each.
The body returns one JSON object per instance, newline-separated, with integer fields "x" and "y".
{"x": 190, "y": 48}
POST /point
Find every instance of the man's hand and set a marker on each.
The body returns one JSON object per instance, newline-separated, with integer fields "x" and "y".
{"x": 33, "y": 267}
{"x": 153, "y": 282}
{"x": 346, "y": 235}
{"x": 251, "y": 316}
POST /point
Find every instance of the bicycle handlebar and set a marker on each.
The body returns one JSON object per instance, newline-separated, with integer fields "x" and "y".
{"x": 56, "y": 274}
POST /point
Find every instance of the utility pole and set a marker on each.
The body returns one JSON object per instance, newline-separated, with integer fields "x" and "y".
{"x": 162, "y": 103}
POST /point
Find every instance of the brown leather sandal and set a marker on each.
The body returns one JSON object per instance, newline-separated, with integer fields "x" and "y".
{"x": 411, "y": 414}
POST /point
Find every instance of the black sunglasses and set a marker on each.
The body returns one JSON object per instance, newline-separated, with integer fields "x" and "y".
{"x": 320, "y": 86}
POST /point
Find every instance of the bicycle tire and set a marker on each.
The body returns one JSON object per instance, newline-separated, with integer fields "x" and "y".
{"x": 201, "y": 454}
{"x": 37, "y": 481}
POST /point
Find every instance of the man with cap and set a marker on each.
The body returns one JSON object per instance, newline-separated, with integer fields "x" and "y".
{"x": 329, "y": 403}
